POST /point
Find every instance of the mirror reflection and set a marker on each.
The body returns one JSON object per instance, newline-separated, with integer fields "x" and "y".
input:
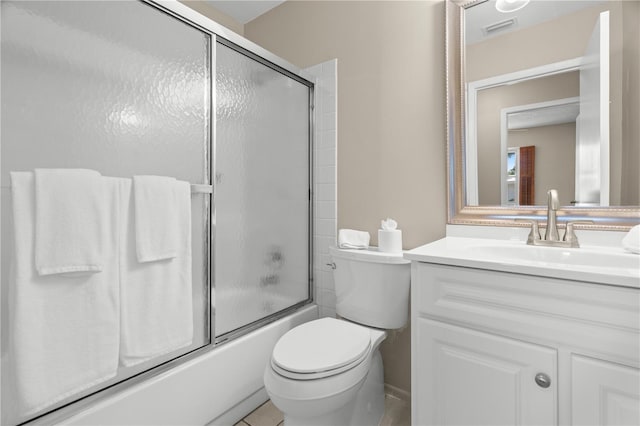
{"x": 552, "y": 102}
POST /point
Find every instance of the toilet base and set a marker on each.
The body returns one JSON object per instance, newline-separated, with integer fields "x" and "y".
{"x": 366, "y": 409}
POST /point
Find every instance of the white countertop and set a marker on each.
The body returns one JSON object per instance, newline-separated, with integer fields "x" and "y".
{"x": 604, "y": 265}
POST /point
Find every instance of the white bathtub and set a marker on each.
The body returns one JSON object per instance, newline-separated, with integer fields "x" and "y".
{"x": 217, "y": 388}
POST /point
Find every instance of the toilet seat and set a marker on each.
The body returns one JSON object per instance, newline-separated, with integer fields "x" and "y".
{"x": 321, "y": 348}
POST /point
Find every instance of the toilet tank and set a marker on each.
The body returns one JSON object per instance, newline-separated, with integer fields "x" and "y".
{"x": 372, "y": 288}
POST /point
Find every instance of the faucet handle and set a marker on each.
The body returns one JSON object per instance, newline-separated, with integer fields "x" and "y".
{"x": 569, "y": 233}
{"x": 534, "y": 234}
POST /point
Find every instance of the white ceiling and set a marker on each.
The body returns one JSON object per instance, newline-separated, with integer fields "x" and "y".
{"x": 537, "y": 11}
{"x": 245, "y": 11}
{"x": 547, "y": 116}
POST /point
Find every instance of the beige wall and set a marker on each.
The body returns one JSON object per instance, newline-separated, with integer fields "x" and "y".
{"x": 630, "y": 188}
{"x": 391, "y": 122}
{"x": 490, "y": 103}
{"x": 391, "y": 115}
{"x": 555, "y": 159}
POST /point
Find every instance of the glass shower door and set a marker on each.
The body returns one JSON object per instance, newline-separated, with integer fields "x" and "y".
{"x": 86, "y": 85}
{"x": 261, "y": 235}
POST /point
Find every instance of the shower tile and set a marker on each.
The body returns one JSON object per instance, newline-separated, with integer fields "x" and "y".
{"x": 330, "y": 69}
{"x": 325, "y": 192}
{"x": 326, "y": 227}
{"x": 327, "y": 298}
{"x": 327, "y": 139}
{"x": 329, "y": 120}
{"x": 326, "y": 174}
{"x": 325, "y": 263}
{"x": 329, "y": 104}
{"x": 325, "y": 183}
{"x": 324, "y": 243}
{"x": 326, "y": 210}
{"x": 318, "y": 119}
{"x": 329, "y": 286}
{"x": 322, "y": 278}
{"x": 329, "y": 283}
{"x": 326, "y": 157}
{"x": 327, "y": 312}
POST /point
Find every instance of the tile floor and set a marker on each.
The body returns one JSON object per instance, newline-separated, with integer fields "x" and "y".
{"x": 396, "y": 413}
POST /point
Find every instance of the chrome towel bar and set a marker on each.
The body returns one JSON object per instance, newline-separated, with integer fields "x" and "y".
{"x": 196, "y": 188}
{"x": 200, "y": 188}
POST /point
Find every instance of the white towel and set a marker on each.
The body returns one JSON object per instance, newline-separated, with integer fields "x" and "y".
{"x": 64, "y": 331}
{"x": 71, "y": 223}
{"x": 631, "y": 241}
{"x": 156, "y": 216}
{"x": 352, "y": 239}
{"x": 156, "y": 297}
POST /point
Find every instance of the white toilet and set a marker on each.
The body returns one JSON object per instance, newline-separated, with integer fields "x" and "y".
{"x": 329, "y": 371}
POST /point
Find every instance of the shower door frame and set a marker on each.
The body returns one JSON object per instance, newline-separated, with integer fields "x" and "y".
{"x": 247, "y": 328}
{"x": 217, "y": 33}
{"x": 220, "y": 34}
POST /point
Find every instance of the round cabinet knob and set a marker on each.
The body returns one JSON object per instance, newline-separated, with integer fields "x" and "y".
{"x": 543, "y": 380}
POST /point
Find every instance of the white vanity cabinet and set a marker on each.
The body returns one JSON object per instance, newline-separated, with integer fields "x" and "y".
{"x": 604, "y": 393}
{"x": 466, "y": 377}
{"x": 503, "y": 348}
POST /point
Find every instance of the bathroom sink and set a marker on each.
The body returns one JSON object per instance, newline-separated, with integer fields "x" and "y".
{"x": 584, "y": 257}
{"x": 604, "y": 265}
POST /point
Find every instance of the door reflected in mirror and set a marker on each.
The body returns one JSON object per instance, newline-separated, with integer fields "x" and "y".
{"x": 556, "y": 77}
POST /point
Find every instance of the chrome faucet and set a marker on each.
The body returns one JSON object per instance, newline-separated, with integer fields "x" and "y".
{"x": 551, "y": 236}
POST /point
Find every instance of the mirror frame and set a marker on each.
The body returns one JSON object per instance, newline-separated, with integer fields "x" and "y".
{"x": 458, "y": 213}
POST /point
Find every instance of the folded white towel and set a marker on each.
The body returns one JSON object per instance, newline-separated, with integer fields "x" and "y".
{"x": 352, "y": 239}
{"x": 156, "y": 216}
{"x": 631, "y": 241}
{"x": 64, "y": 331}
{"x": 70, "y": 221}
{"x": 156, "y": 297}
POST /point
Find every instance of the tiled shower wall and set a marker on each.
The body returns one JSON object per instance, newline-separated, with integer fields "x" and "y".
{"x": 325, "y": 191}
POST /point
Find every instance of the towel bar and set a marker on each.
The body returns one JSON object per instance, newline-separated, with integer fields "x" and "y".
{"x": 198, "y": 188}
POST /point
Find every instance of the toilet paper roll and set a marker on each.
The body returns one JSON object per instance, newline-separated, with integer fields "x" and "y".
{"x": 390, "y": 241}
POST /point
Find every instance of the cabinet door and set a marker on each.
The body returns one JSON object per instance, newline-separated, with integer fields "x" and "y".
{"x": 466, "y": 377}
{"x": 604, "y": 393}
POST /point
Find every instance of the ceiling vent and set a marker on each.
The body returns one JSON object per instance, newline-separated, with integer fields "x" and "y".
{"x": 499, "y": 26}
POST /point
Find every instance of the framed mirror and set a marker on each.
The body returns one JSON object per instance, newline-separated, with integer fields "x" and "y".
{"x": 543, "y": 97}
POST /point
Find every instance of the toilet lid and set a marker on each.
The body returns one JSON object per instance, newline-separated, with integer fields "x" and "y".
{"x": 321, "y": 345}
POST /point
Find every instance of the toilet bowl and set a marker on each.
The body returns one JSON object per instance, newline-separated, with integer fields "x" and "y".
{"x": 318, "y": 368}
{"x": 329, "y": 371}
